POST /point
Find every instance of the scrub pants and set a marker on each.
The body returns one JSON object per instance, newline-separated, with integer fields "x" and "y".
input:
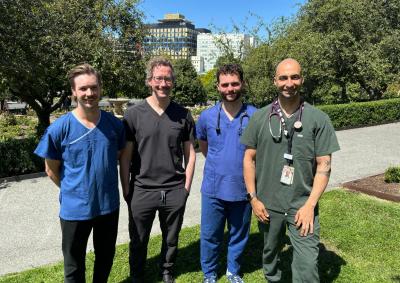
{"x": 214, "y": 213}
{"x": 75, "y": 235}
{"x": 305, "y": 249}
{"x": 144, "y": 204}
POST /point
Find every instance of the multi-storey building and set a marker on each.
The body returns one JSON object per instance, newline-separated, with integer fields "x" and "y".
{"x": 212, "y": 46}
{"x": 173, "y": 36}
{"x": 198, "y": 63}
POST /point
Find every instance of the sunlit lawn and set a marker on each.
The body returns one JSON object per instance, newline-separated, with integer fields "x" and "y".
{"x": 360, "y": 243}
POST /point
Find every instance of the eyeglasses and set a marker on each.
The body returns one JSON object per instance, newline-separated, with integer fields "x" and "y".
{"x": 159, "y": 79}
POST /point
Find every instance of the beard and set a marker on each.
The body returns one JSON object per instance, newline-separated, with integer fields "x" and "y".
{"x": 224, "y": 96}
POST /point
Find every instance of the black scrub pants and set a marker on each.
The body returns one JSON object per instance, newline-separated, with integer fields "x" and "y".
{"x": 75, "y": 235}
{"x": 143, "y": 206}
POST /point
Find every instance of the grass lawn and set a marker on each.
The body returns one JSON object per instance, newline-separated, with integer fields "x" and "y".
{"x": 360, "y": 238}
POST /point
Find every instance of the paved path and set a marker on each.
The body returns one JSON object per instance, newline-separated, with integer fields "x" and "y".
{"x": 29, "y": 225}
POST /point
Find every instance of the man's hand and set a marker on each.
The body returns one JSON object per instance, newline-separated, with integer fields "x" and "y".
{"x": 304, "y": 220}
{"x": 259, "y": 210}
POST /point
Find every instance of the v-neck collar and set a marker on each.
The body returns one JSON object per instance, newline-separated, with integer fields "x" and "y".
{"x": 160, "y": 116}
{"x": 83, "y": 124}
{"x": 237, "y": 114}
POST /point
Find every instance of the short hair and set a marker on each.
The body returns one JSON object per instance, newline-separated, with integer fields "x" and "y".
{"x": 230, "y": 69}
{"x": 83, "y": 69}
{"x": 155, "y": 62}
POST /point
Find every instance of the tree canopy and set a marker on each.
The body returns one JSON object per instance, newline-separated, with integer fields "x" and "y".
{"x": 188, "y": 89}
{"x": 349, "y": 51}
{"x": 41, "y": 40}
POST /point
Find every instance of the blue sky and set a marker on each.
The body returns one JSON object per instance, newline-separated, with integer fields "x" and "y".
{"x": 221, "y": 13}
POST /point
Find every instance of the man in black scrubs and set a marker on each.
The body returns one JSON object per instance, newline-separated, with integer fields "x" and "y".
{"x": 156, "y": 169}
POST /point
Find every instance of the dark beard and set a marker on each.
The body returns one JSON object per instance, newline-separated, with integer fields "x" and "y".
{"x": 238, "y": 96}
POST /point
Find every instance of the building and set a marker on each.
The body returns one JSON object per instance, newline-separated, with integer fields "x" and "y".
{"x": 198, "y": 63}
{"x": 211, "y": 46}
{"x": 173, "y": 36}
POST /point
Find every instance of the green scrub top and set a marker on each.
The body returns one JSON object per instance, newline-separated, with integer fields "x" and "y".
{"x": 316, "y": 138}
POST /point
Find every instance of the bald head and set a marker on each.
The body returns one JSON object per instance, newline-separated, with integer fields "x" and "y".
{"x": 288, "y": 79}
{"x": 287, "y": 63}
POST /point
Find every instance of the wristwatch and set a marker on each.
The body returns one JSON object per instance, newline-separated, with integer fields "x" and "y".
{"x": 251, "y": 195}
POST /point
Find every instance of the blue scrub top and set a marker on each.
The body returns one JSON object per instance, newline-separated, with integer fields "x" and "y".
{"x": 89, "y": 159}
{"x": 223, "y": 171}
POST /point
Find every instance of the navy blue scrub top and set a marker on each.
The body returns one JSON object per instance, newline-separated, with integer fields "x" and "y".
{"x": 223, "y": 171}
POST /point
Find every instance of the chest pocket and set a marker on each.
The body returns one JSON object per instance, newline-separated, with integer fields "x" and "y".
{"x": 175, "y": 136}
{"x": 77, "y": 151}
{"x": 215, "y": 141}
{"x": 303, "y": 145}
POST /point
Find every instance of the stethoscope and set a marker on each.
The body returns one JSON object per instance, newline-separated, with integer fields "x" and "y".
{"x": 277, "y": 111}
{"x": 242, "y": 116}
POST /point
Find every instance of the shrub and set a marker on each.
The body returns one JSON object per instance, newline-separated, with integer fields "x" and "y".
{"x": 17, "y": 157}
{"x": 392, "y": 175}
{"x": 363, "y": 113}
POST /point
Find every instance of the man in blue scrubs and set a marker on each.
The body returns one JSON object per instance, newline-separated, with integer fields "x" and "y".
{"x": 223, "y": 190}
{"x": 81, "y": 151}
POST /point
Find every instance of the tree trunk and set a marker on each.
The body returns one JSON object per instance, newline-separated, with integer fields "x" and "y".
{"x": 343, "y": 97}
{"x": 43, "y": 122}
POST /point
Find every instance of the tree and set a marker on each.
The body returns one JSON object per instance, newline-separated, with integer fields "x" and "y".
{"x": 259, "y": 69}
{"x": 41, "y": 40}
{"x": 188, "y": 89}
{"x": 344, "y": 47}
{"x": 209, "y": 82}
{"x": 4, "y": 94}
{"x": 349, "y": 51}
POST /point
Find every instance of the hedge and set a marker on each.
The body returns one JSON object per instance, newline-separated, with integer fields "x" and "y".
{"x": 362, "y": 114}
{"x": 16, "y": 155}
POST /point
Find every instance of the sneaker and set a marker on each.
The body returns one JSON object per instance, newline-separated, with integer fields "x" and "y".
{"x": 233, "y": 278}
{"x": 210, "y": 279}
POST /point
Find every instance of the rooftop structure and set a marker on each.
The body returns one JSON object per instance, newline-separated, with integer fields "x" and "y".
{"x": 173, "y": 36}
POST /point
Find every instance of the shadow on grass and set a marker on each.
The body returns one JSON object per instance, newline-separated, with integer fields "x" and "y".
{"x": 396, "y": 278}
{"x": 329, "y": 262}
{"x": 188, "y": 260}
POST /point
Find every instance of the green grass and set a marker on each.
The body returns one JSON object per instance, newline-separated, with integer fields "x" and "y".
{"x": 360, "y": 238}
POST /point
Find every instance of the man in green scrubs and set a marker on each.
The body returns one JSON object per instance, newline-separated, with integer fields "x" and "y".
{"x": 287, "y": 165}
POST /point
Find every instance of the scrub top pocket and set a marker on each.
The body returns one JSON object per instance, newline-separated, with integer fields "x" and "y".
{"x": 77, "y": 152}
{"x": 215, "y": 141}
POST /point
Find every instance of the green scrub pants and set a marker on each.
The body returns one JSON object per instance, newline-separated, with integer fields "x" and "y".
{"x": 305, "y": 249}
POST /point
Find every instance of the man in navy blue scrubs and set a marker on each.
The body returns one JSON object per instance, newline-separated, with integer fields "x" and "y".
{"x": 223, "y": 190}
{"x": 81, "y": 151}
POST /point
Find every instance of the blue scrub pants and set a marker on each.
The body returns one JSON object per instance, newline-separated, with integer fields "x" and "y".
{"x": 305, "y": 249}
{"x": 214, "y": 213}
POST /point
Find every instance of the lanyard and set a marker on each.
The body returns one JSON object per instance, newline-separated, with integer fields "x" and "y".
{"x": 277, "y": 110}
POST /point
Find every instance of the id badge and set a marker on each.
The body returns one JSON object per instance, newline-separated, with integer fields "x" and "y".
{"x": 287, "y": 175}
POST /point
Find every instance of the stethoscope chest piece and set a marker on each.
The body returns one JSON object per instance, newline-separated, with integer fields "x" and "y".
{"x": 298, "y": 125}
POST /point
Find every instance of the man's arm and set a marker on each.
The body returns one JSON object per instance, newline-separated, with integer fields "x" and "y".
{"x": 124, "y": 165}
{"x": 203, "y": 147}
{"x": 190, "y": 160}
{"x": 249, "y": 173}
{"x": 304, "y": 218}
{"x": 53, "y": 170}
